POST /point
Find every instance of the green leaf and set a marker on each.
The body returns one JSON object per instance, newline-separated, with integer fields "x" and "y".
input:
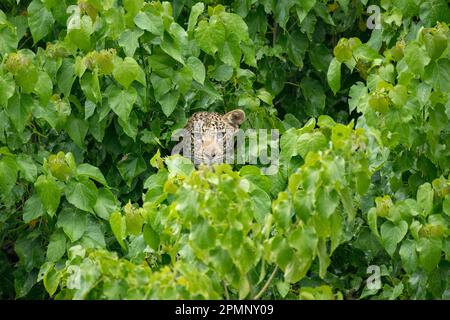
{"x": 61, "y": 165}
{"x": 416, "y": 58}
{"x": 248, "y": 50}
{"x": 314, "y": 94}
{"x": 297, "y": 45}
{"x": 23, "y": 281}
{"x": 66, "y": 76}
{"x": 265, "y": 96}
{"x": 262, "y": 204}
{"x": 125, "y": 71}
{"x": 336, "y": 231}
{"x": 8, "y": 34}
{"x": 169, "y": 46}
{"x": 308, "y": 142}
{"x": 303, "y": 8}
{"x": 234, "y": 24}
{"x": 94, "y": 236}
{"x": 409, "y": 8}
{"x": 169, "y": 102}
{"x": 118, "y": 227}
{"x": 296, "y": 269}
{"x": 203, "y": 235}
{"x": 122, "y": 101}
{"x": 425, "y": 198}
{"x": 344, "y": 5}
{"x": 197, "y": 68}
{"x": 44, "y": 86}
{"x": 324, "y": 259}
{"x": 130, "y": 127}
{"x": 56, "y": 247}
{"x": 281, "y": 209}
{"x": 81, "y": 37}
{"x": 446, "y": 205}
{"x": 365, "y": 52}
{"x": 92, "y": 172}
{"x": 244, "y": 287}
{"x": 130, "y": 168}
{"x": 89, "y": 109}
{"x": 305, "y": 241}
{"x": 91, "y": 87}
{"x": 150, "y": 22}
{"x": 283, "y": 288}
{"x": 230, "y": 52}
{"x": 134, "y": 221}
{"x": 151, "y": 237}
{"x": 334, "y": 75}
{"x": 321, "y": 10}
{"x": 33, "y": 209}
{"x": 347, "y": 202}
{"x": 29, "y": 250}
{"x": 326, "y": 202}
{"x": 129, "y": 41}
{"x": 19, "y": 110}
{"x": 408, "y": 255}
{"x": 180, "y": 36}
{"x": 7, "y": 88}
{"x": 281, "y": 12}
{"x": 73, "y": 222}
{"x": 160, "y": 85}
{"x": 435, "y": 44}
{"x": 82, "y": 194}
{"x": 433, "y": 11}
{"x": 179, "y": 166}
{"x": 438, "y": 74}
{"x": 196, "y": 11}
{"x": 51, "y": 281}
{"x": 392, "y": 234}
{"x": 362, "y": 182}
{"x": 8, "y": 175}
{"x": 156, "y": 181}
{"x": 399, "y": 95}
{"x": 210, "y": 37}
{"x": 49, "y": 193}
{"x": 430, "y": 251}
{"x": 106, "y": 203}
{"x": 40, "y": 20}
{"x": 77, "y": 130}
{"x": 27, "y": 79}
{"x": 183, "y": 79}
{"x": 372, "y": 221}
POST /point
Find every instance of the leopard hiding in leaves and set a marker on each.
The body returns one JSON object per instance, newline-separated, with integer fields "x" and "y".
{"x": 209, "y": 135}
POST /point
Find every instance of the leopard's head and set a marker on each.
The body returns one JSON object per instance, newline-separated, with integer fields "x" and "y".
{"x": 211, "y": 132}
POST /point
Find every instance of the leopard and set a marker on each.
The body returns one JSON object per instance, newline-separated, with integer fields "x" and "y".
{"x": 211, "y": 133}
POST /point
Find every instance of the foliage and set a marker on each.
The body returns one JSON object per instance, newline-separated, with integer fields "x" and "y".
{"x": 93, "y": 207}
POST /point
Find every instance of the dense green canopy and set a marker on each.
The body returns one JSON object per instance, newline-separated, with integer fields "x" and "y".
{"x": 92, "y": 205}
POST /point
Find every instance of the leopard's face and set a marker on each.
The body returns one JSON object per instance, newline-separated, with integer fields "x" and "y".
{"x": 211, "y": 133}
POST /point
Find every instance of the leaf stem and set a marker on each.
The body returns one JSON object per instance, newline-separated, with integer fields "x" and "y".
{"x": 227, "y": 295}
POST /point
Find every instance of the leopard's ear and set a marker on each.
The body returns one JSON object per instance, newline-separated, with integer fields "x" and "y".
{"x": 235, "y": 117}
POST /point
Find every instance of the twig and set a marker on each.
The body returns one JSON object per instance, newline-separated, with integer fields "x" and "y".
{"x": 274, "y": 35}
{"x": 266, "y": 285}
{"x": 292, "y": 84}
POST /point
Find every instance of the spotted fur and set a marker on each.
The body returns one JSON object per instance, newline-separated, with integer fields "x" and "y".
{"x": 211, "y": 132}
